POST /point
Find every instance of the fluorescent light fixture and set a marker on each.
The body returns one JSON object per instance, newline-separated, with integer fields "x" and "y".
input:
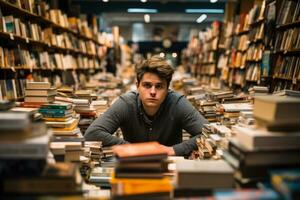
{"x": 141, "y": 10}
{"x": 201, "y": 18}
{"x": 213, "y": 1}
{"x": 147, "y": 18}
{"x": 210, "y": 11}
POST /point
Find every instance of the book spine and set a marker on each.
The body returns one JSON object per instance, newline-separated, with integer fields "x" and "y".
{"x": 52, "y": 111}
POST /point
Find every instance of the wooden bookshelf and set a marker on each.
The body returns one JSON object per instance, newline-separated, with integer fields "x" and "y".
{"x": 288, "y": 26}
{"x": 257, "y": 23}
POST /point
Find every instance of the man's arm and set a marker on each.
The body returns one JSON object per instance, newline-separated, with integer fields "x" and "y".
{"x": 192, "y": 121}
{"x": 103, "y": 127}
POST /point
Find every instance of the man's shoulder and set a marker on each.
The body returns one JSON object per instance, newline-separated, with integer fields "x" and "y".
{"x": 174, "y": 96}
{"x": 129, "y": 97}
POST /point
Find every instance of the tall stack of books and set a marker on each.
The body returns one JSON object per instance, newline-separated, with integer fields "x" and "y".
{"x": 273, "y": 144}
{"x": 38, "y": 93}
{"x": 139, "y": 171}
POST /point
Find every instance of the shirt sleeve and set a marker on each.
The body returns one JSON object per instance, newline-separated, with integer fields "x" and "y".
{"x": 104, "y": 126}
{"x": 192, "y": 121}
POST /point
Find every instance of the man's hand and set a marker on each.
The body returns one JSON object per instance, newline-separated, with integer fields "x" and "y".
{"x": 169, "y": 150}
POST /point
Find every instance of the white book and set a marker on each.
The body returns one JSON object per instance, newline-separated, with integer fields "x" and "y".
{"x": 255, "y": 139}
{"x": 32, "y": 148}
{"x": 38, "y": 85}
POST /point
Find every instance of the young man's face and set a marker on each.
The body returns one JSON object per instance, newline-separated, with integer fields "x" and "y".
{"x": 152, "y": 89}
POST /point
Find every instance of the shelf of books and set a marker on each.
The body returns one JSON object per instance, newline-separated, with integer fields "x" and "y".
{"x": 43, "y": 42}
{"x": 259, "y": 47}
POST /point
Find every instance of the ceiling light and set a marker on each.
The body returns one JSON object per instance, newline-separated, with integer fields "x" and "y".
{"x": 147, "y": 18}
{"x": 211, "y": 11}
{"x": 105, "y": 0}
{"x": 141, "y": 10}
{"x": 162, "y": 55}
{"x": 174, "y": 55}
{"x": 213, "y": 1}
{"x": 201, "y": 18}
{"x": 144, "y": 1}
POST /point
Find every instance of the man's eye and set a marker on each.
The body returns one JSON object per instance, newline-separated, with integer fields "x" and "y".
{"x": 147, "y": 85}
{"x": 159, "y": 86}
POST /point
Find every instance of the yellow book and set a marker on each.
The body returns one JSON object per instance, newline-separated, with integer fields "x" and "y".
{"x": 140, "y": 186}
{"x": 70, "y": 128}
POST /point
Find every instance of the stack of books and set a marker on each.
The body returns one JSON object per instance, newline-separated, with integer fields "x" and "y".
{"x": 258, "y": 91}
{"x": 232, "y": 112}
{"x": 139, "y": 171}
{"x": 273, "y": 144}
{"x": 38, "y": 93}
{"x": 86, "y": 111}
{"x": 67, "y": 151}
{"x": 24, "y": 145}
{"x": 60, "y": 117}
{"x": 55, "y": 179}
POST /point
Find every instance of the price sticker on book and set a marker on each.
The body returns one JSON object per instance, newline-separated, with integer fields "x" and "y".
{"x": 11, "y": 36}
{"x": 27, "y": 40}
{"x": 294, "y": 80}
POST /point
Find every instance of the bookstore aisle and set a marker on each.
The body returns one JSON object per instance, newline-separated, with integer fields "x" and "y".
{"x": 64, "y": 63}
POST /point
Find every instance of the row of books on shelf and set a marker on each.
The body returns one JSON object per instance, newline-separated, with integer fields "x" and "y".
{"x": 46, "y": 36}
{"x": 244, "y": 21}
{"x": 288, "y": 40}
{"x": 287, "y": 67}
{"x": 289, "y": 12}
{"x": 12, "y": 89}
{"x": 55, "y": 16}
{"x": 18, "y": 57}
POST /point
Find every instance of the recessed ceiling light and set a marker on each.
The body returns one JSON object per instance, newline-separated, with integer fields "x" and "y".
{"x": 213, "y": 1}
{"x": 201, "y": 18}
{"x": 144, "y": 1}
{"x": 162, "y": 55}
{"x": 141, "y": 10}
{"x": 147, "y": 18}
{"x": 105, "y": 0}
{"x": 211, "y": 11}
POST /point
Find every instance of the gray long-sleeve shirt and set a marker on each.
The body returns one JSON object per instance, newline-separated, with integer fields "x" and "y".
{"x": 174, "y": 114}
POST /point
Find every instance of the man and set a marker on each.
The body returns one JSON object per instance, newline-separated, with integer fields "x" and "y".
{"x": 152, "y": 113}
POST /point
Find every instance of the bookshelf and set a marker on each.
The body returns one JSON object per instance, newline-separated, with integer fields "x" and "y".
{"x": 260, "y": 45}
{"x": 38, "y": 40}
{"x": 286, "y": 52}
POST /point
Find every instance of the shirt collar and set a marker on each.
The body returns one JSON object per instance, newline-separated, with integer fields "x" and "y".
{"x": 142, "y": 111}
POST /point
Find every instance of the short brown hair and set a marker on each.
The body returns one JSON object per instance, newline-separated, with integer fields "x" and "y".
{"x": 156, "y": 65}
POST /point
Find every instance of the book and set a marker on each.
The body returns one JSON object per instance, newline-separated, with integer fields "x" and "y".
{"x": 38, "y": 85}
{"x": 285, "y": 157}
{"x": 277, "y": 111}
{"x": 33, "y": 148}
{"x": 42, "y": 99}
{"x": 48, "y": 92}
{"x": 64, "y": 106}
{"x": 57, "y": 178}
{"x": 204, "y": 174}
{"x": 140, "y": 151}
{"x": 254, "y": 138}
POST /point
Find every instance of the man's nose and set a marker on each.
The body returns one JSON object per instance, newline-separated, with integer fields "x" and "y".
{"x": 153, "y": 90}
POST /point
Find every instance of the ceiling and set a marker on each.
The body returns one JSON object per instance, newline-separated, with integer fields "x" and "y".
{"x": 169, "y": 11}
